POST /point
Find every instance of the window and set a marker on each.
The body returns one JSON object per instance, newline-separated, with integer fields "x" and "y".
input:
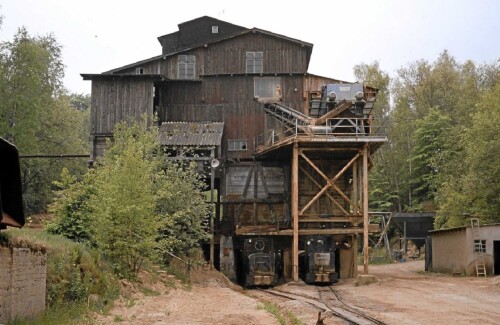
{"x": 215, "y": 29}
{"x": 139, "y": 70}
{"x": 237, "y": 145}
{"x": 186, "y": 66}
{"x": 267, "y": 87}
{"x": 480, "y": 246}
{"x": 254, "y": 62}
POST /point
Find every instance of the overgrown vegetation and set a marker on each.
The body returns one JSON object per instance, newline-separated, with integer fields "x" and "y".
{"x": 38, "y": 115}
{"x": 135, "y": 205}
{"x": 74, "y": 272}
{"x": 444, "y": 152}
{"x": 283, "y": 317}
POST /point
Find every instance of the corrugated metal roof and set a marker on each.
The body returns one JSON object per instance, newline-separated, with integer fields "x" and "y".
{"x": 191, "y": 133}
{"x": 437, "y": 231}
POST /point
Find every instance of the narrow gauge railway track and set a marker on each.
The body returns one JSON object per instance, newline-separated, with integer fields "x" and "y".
{"x": 326, "y": 308}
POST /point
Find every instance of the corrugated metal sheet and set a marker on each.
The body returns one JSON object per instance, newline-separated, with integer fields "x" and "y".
{"x": 191, "y": 134}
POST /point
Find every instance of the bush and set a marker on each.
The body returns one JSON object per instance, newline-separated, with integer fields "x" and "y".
{"x": 74, "y": 271}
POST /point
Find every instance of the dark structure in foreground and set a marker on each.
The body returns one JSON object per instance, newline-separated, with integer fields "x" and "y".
{"x": 11, "y": 200}
{"x": 288, "y": 152}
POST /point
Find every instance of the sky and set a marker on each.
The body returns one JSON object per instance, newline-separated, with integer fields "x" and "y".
{"x": 99, "y": 35}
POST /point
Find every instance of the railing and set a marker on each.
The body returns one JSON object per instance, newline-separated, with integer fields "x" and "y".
{"x": 334, "y": 127}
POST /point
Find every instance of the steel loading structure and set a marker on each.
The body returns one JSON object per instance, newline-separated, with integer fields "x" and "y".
{"x": 294, "y": 158}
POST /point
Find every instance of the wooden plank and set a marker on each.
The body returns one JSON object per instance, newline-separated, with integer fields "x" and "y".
{"x": 365, "y": 209}
{"x": 327, "y": 194}
{"x": 272, "y": 231}
{"x": 355, "y": 185}
{"x": 295, "y": 212}
{"x": 335, "y": 187}
{"x": 355, "y": 254}
{"x": 341, "y": 107}
{"x": 307, "y": 219}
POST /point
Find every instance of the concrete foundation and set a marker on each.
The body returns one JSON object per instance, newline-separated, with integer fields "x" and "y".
{"x": 227, "y": 261}
{"x": 23, "y": 274}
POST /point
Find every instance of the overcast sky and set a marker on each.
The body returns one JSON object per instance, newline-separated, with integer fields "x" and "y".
{"x": 98, "y": 35}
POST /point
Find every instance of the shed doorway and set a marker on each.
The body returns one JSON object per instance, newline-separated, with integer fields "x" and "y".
{"x": 496, "y": 257}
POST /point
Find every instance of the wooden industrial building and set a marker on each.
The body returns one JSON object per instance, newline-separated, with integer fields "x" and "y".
{"x": 245, "y": 97}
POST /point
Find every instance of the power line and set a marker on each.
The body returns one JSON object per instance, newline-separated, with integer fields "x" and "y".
{"x": 56, "y": 156}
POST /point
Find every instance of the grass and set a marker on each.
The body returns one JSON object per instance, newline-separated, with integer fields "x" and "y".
{"x": 282, "y": 317}
{"x": 149, "y": 292}
{"x": 273, "y": 309}
{"x": 118, "y": 318}
{"x": 181, "y": 275}
{"x": 78, "y": 280}
{"x": 69, "y": 314}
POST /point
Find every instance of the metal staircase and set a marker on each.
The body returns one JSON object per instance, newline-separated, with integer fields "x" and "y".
{"x": 479, "y": 249}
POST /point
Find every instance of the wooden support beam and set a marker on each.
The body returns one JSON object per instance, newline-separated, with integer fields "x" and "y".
{"x": 341, "y": 107}
{"x": 273, "y": 231}
{"x": 335, "y": 187}
{"x": 334, "y": 201}
{"x": 333, "y": 180}
{"x": 355, "y": 254}
{"x": 295, "y": 212}
{"x": 365, "y": 209}
{"x": 355, "y": 190}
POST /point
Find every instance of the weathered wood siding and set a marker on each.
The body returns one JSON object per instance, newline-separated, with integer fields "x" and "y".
{"x": 280, "y": 56}
{"x": 229, "y": 57}
{"x": 256, "y": 194}
{"x": 117, "y": 100}
{"x": 158, "y": 66}
{"x": 226, "y": 99}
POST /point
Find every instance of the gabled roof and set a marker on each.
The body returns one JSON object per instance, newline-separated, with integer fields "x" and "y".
{"x": 196, "y": 31}
{"x": 193, "y": 38}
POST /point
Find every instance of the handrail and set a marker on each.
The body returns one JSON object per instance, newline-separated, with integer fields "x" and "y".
{"x": 334, "y": 127}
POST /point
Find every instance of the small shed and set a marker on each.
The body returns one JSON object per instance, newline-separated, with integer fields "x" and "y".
{"x": 457, "y": 250}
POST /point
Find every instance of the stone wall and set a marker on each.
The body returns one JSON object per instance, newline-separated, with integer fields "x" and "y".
{"x": 23, "y": 274}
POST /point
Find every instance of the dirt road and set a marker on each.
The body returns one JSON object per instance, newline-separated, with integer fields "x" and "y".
{"x": 403, "y": 294}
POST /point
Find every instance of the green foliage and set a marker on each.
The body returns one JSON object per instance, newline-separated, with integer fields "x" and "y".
{"x": 476, "y": 191}
{"x": 440, "y": 151}
{"x": 74, "y": 271}
{"x": 68, "y": 314}
{"x": 273, "y": 309}
{"x": 35, "y": 113}
{"x": 135, "y": 205}
{"x": 429, "y": 154}
{"x": 71, "y": 210}
{"x": 183, "y": 209}
{"x": 123, "y": 206}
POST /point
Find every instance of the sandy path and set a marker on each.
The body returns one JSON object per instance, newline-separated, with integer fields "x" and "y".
{"x": 404, "y": 294}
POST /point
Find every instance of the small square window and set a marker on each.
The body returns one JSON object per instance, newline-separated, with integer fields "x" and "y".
{"x": 480, "y": 246}
{"x": 254, "y": 62}
{"x": 237, "y": 145}
{"x": 139, "y": 70}
{"x": 215, "y": 29}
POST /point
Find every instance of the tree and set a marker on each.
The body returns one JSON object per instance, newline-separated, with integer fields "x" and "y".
{"x": 71, "y": 210}
{"x": 135, "y": 204}
{"x": 429, "y": 156}
{"x": 123, "y": 205}
{"x": 35, "y": 113}
{"x": 476, "y": 192}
